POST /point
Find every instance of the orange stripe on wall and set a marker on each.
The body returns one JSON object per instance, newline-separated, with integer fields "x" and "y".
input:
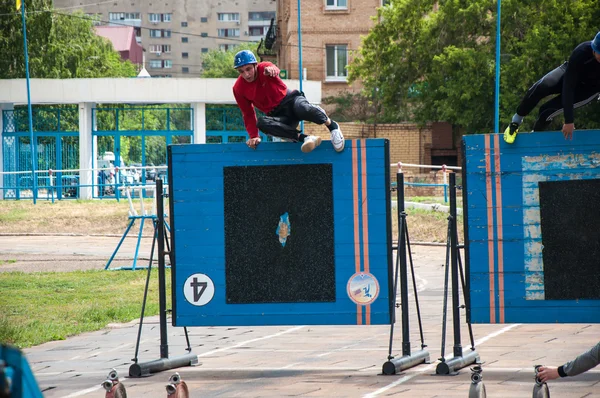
{"x": 490, "y": 226}
{"x": 499, "y": 226}
{"x": 356, "y": 225}
{"x": 365, "y": 208}
{"x": 365, "y": 216}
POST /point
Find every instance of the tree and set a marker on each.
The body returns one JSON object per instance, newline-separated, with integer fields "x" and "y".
{"x": 218, "y": 63}
{"x": 435, "y": 60}
{"x": 59, "y": 45}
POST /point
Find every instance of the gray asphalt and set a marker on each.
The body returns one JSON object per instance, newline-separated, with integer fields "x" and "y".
{"x": 307, "y": 361}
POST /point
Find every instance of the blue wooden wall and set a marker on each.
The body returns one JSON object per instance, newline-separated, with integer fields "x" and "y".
{"x": 504, "y": 251}
{"x": 362, "y": 234}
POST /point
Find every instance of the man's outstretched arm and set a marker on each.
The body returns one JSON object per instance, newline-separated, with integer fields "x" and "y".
{"x": 581, "y": 364}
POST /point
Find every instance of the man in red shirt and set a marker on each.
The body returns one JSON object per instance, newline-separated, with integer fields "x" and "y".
{"x": 259, "y": 86}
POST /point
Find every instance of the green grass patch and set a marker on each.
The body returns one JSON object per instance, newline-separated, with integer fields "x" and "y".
{"x": 39, "y": 307}
{"x": 3, "y": 262}
{"x": 13, "y": 215}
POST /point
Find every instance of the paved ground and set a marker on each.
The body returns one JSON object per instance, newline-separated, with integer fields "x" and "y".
{"x": 302, "y": 361}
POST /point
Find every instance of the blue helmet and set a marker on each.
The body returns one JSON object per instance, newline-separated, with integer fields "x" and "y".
{"x": 244, "y": 57}
{"x": 596, "y": 43}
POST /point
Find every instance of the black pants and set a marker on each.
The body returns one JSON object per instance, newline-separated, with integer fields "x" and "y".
{"x": 284, "y": 119}
{"x": 552, "y": 83}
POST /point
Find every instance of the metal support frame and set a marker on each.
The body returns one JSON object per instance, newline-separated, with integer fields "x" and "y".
{"x": 133, "y": 216}
{"x": 164, "y": 362}
{"x": 460, "y": 359}
{"x": 407, "y": 360}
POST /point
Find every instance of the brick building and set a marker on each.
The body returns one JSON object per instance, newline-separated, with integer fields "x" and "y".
{"x": 331, "y": 30}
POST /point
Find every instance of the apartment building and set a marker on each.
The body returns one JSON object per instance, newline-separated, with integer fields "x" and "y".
{"x": 176, "y": 34}
{"x": 331, "y": 31}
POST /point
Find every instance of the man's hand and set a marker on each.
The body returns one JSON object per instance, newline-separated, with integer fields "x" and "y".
{"x": 272, "y": 71}
{"x": 546, "y": 373}
{"x": 568, "y": 130}
{"x": 253, "y": 142}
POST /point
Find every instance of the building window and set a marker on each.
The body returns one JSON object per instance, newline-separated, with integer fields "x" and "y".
{"x": 156, "y": 18}
{"x": 203, "y": 19}
{"x": 228, "y": 16}
{"x": 185, "y": 69}
{"x": 155, "y": 63}
{"x": 184, "y": 39}
{"x": 155, "y": 33}
{"x": 228, "y": 32}
{"x": 261, "y": 16}
{"x": 184, "y": 24}
{"x": 257, "y": 30}
{"x": 204, "y": 34}
{"x": 225, "y": 47}
{"x": 336, "y": 4}
{"x": 160, "y": 48}
{"x": 160, "y": 32}
{"x": 204, "y": 50}
{"x": 122, "y": 16}
{"x": 337, "y": 60}
{"x": 184, "y": 55}
{"x": 167, "y": 63}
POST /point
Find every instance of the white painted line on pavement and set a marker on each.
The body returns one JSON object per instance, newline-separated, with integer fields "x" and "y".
{"x": 497, "y": 333}
{"x": 243, "y": 343}
{"x": 434, "y": 364}
{"x": 83, "y": 392}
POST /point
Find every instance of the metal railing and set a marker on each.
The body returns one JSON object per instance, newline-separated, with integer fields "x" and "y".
{"x": 443, "y": 168}
{"x": 65, "y": 184}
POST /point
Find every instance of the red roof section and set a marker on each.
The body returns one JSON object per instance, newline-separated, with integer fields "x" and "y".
{"x": 123, "y": 40}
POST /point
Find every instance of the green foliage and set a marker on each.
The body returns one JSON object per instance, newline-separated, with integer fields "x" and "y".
{"x": 217, "y": 63}
{"x": 434, "y": 63}
{"x": 351, "y": 107}
{"x": 59, "y": 46}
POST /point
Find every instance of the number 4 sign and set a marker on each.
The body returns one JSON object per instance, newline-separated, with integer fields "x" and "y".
{"x": 198, "y": 289}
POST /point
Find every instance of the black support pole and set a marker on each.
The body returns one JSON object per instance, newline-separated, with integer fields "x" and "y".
{"x": 162, "y": 285}
{"x": 403, "y": 267}
{"x": 454, "y": 262}
{"x": 459, "y": 360}
{"x": 164, "y": 363}
{"x": 407, "y": 360}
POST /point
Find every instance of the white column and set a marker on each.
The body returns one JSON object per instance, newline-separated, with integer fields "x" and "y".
{"x": 85, "y": 149}
{"x": 3, "y": 107}
{"x": 199, "y": 109}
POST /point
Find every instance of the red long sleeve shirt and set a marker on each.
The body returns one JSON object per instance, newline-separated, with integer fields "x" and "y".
{"x": 265, "y": 93}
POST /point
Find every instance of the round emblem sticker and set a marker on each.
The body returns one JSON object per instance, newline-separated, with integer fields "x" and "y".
{"x": 198, "y": 289}
{"x": 363, "y": 288}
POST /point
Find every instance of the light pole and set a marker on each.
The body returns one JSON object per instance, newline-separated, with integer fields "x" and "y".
{"x": 497, "y": 96}
{"x": 300, "y": 75}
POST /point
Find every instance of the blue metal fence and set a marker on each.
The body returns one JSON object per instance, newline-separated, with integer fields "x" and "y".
{"x": 130, "y": 143}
